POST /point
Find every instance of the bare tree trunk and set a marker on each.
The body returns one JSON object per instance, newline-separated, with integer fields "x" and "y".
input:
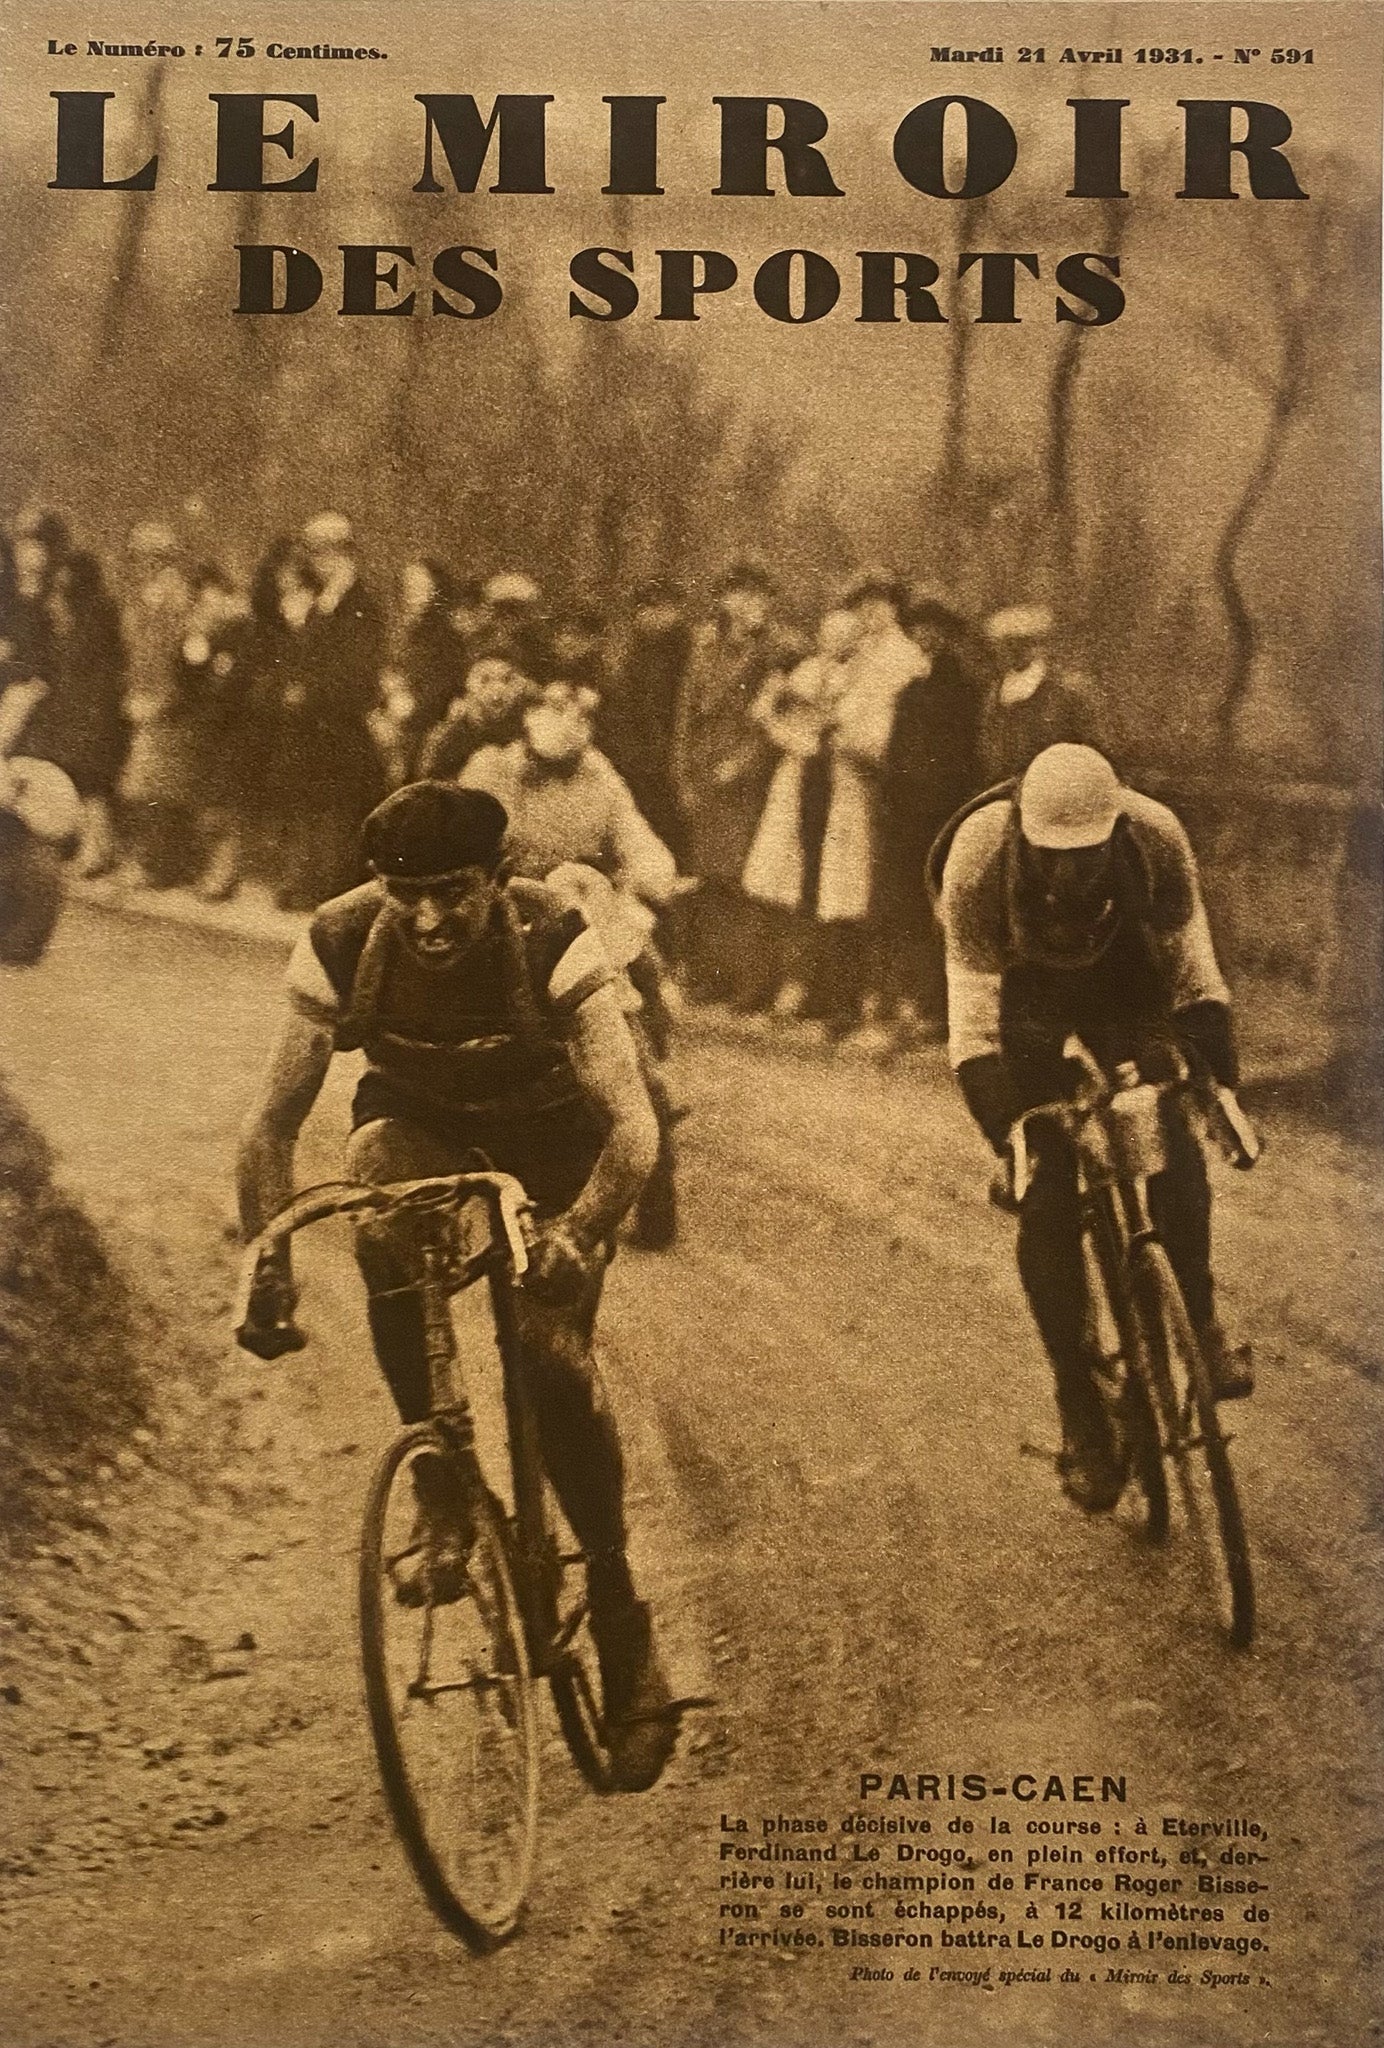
{"x": 133, "y": 222}
{"x": 955, "y": 464}
{"x": 1060, "y": 550}
{"x": 1244, "y": 633}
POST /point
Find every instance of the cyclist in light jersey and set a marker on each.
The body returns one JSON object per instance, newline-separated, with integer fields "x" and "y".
{"x": 1071, "y": 904}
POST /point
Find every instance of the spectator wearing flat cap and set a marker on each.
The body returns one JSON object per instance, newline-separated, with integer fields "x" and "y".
{"x": 577, "y": 649}
{"x": 1034, "y": 703}
{"x": 722, "y": 765}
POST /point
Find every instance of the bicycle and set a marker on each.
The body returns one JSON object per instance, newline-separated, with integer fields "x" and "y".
{"x": 462, "y": 1605}
{"x": 1157, "y": 1384}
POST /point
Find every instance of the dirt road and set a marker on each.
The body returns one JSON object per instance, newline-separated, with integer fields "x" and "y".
{"x": 826, "y": 1393}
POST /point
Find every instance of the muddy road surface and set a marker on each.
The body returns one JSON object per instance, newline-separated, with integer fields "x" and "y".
{"x": 832, "y": 1402}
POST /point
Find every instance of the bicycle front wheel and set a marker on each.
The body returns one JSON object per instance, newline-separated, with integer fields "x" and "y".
{"x": 569, "y": 1653}
{"x": 1138, "y": 1423}
{"x": 448, "y": 1685}
{"x": 1198, "y": 1445}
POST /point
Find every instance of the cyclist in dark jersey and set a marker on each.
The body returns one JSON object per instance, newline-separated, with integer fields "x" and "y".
{"x": 488, "y": 1017}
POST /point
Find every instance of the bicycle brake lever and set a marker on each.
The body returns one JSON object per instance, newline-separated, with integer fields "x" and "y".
{"x": 514, "y": 1214}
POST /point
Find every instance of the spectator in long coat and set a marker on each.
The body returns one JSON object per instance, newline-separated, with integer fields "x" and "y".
{"x": 160, "y": 787}
{"x": 38, "y": 544}
{"x": 79, "y": 722}
{"x": 1034, "y": 703}
{"x": 217, "y": 680}
{"x": 931, "y": 767}
{"x": 784, "y": 868}
{"x": 883, "y": 662}
{"x": 275, "y": 736}
{"x": 335, "y": 760}
{"x": 722, "y": 763}
{"x": 635, "y": 722}
{"x": 430, "y": 664}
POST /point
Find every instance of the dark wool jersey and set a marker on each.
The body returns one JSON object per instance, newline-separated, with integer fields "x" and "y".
{"x": 483, "y": 1036}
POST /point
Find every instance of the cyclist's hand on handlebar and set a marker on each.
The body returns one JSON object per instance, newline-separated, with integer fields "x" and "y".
{"x": 560, "y": 1267}
{"x": 1236, "y": 1135}
{"x": 265, "y": 1324}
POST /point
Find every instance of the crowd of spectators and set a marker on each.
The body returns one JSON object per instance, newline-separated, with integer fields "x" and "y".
{"x": 769, "y": 792}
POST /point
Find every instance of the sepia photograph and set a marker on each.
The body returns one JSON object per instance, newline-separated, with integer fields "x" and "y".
{"x": 691, "y": 963}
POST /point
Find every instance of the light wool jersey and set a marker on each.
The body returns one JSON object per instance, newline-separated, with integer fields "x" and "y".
{"x": 582, "y": 811}
{"x": 485, "y": 1035}
{"x": 1155, "y": 882}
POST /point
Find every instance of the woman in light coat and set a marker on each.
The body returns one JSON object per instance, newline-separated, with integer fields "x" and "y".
{"x": 783, "y": 869}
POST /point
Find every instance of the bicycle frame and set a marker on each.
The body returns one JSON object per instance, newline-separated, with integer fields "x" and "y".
{"x": 1116, "y": 1131}
{"x": 433, "y": 1206}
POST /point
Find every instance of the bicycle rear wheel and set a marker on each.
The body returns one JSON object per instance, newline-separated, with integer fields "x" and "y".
{"x": 448, "y": 1686}
{"x": 1199, "y": 1447}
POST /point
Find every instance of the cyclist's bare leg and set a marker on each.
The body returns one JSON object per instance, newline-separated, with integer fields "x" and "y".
{"x": 582, "y": 1455}
{"x": 383, "y": 1151}
{"x": 578, "y": 1436}
{"x": 1053, "y": 1271}
{"x": 1180, "y": 1203}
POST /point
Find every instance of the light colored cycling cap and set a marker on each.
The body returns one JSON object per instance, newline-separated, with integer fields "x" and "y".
{"x": 1020, "y": 622}
{"x": 1069, "y": 797}
{"x": 329, "y": 530}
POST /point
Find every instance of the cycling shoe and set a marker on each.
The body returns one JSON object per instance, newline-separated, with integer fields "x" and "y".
{"x": 641, "y": 1720}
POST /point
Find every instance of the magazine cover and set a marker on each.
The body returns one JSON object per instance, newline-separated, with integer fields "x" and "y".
{"x": 690, "y": 899}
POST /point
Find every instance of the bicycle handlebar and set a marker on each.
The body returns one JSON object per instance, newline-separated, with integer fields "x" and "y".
{"x": 352, "y": 1198}
{"x": 1228, "y": 1125}
{"x": 357, "y": 1198}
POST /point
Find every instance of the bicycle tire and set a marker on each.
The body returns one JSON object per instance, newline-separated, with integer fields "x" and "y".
{"x": 1198, "y": 1444}
{"x": 457, "y": 1742}
{"x": 1138, "y": 1420}
{"x": 572, "y": 1667}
